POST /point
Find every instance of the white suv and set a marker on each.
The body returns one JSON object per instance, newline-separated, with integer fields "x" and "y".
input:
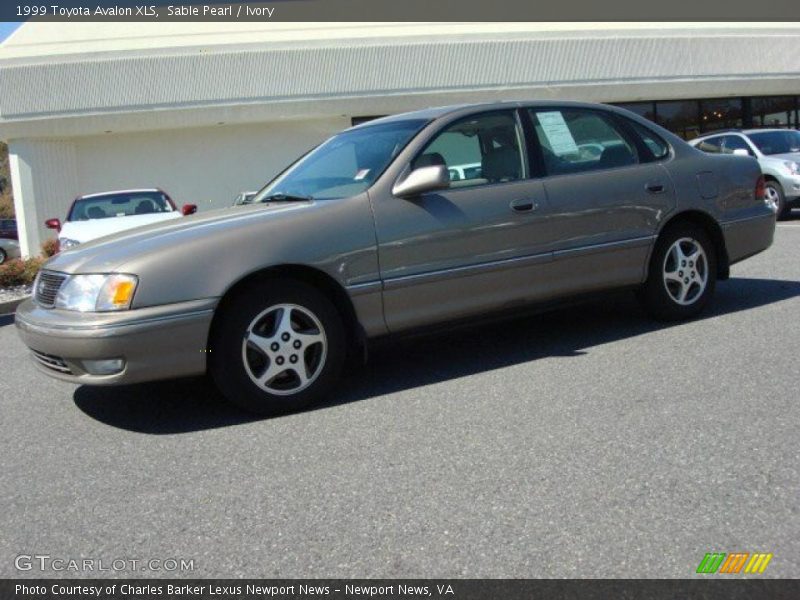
{"x": 778, "y": 153}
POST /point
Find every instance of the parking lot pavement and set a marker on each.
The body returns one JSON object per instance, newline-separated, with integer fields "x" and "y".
{"x": 589, "y": 442}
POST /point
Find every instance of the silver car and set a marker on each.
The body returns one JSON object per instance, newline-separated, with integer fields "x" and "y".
{"x": 367, "y": 236}
{"x": 8, "y": 249}
{"x": 778, "y": 153}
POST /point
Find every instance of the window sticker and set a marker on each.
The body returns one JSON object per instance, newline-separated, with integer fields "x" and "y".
{"x": 361, "y": 174}
{"x": 557, "y": 132}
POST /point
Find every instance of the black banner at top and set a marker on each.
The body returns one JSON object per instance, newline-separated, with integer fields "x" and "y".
{"x": 398, "y": 10}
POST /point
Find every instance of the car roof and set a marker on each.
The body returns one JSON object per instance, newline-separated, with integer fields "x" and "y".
{"x": 739, "y": 131}
{"x": 429, "y": 114}
{"x": 136, "y": 191}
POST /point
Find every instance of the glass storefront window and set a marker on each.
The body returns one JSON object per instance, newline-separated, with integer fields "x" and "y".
{"x": 725, "y": 113}
{"x": 682, "y": 117}
{"x": 643, "y": 109}
{"x": 776, "y": 111}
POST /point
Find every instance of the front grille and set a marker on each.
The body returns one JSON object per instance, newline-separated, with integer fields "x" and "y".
{"x": 47, "y": 287}
{"x": 54, "y": 363}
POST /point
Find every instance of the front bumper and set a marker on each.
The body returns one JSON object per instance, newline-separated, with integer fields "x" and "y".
{"x": 160, "y": 342}
{"x": 791, "y": 188}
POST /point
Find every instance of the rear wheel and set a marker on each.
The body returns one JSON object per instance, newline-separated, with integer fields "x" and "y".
{"x": 3, "y": 256}
{"x": 682, "y": 274}
{"x": 278, "y": 346}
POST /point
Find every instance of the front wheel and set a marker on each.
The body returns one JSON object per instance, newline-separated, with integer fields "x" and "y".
{"x": 682, "y": 274}
{"x": 3, "y": 256}
{"x": 775, "y": 196}
{"x": 278, "y": 346}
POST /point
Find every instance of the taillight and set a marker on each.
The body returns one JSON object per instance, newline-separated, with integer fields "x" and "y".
{"x": 761, "y": 188}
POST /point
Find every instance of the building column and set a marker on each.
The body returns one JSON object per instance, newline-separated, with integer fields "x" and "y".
{"x": 44, "y": 178}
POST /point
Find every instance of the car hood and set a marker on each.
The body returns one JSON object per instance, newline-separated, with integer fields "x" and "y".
{"x": 793, "y": 156}
{"x": 110, "y": 253}
{"x": 86, "y": 231}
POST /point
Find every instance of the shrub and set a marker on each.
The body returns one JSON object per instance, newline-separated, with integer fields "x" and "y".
{"x": 50, "y": 247}
{"x": 19, "y": 272}
{"x": 6, "y": 205}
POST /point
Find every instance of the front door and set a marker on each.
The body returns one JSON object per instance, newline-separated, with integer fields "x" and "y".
{"x": 470, "y": 248}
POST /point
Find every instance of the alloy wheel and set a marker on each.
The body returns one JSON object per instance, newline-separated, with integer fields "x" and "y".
{"x": 284, "y": 349}
{"x": 685, "y": 271}
{"x": 773, "y": 197}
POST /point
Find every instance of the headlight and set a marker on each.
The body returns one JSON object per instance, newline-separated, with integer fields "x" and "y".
{"x": 793, "y": 167}
{"x": 101, "y": 293}
{"x": 66, "y": 243}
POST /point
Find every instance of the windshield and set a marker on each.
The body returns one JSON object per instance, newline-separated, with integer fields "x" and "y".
{"x": 122, "y": 204}
{"x": 345, "y": 165}
{"x": 777, "y": 142}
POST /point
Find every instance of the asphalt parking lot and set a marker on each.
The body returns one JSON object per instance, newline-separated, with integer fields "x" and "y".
{"x": 589, "y": 442}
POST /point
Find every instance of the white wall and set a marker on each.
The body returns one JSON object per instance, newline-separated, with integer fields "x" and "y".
{"x": 44, "y": 180}
{"x": 203, "y": 166}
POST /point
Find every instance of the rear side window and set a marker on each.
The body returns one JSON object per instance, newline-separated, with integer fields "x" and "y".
{"x": 577, "y": 140}
{"x": 657, "y": 146}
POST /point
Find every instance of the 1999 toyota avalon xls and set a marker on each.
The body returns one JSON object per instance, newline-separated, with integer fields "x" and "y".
{"x": 397, "y": 224}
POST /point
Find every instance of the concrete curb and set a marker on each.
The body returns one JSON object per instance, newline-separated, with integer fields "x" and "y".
{"x": 8, "y": 308}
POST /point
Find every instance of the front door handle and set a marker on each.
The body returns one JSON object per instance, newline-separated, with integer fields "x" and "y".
{"x": 655, "y": 188}
{"x": 524, "y": 205}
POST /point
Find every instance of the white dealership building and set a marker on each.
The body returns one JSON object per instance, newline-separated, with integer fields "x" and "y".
{"x": 206, "y": 110}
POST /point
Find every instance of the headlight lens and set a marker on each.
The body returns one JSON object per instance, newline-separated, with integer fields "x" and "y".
{"x": 100, "y": 293}
{"x": 793, "y": 167}
{"x": 66, "y": 243}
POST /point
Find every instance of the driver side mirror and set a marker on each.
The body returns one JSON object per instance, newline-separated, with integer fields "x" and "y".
{"x": 53, "y": 224}
{"x": 424, "y": 179}
{"x": 188, "y": 209}
{"x": 740, "y": 152}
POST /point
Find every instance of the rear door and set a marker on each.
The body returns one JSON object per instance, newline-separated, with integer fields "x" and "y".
{"x": 607, "y": 192}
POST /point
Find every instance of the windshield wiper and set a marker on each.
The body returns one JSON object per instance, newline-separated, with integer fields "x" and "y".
{"x": 286, "y": 198}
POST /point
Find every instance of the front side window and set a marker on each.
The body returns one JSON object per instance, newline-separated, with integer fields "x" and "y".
{"x": 478, "y": 150}
{"x": 712, "y": 145}
{"x": 734, "y": 142}
{"x": 123, "y": 204}
{"x": 577, "y": 140}
{"x": 776, "y": 142}
{"x": 345, "y": 165}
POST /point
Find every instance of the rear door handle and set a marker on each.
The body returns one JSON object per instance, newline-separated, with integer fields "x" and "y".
{"x": 655, "y": 188}
{"x": 524, "y": 205}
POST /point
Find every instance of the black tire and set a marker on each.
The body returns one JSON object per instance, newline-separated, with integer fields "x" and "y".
{"x": 783, "y": 209}
{"x": 3, "y": 256}
{"x": 227, "y": 354}
{"x": 657, "y": 296}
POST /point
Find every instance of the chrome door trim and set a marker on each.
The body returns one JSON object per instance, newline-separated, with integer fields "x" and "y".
{"x": 509, "y": 263}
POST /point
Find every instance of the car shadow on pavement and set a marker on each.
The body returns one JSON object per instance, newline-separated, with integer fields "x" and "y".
{"x": 188, "y": 405}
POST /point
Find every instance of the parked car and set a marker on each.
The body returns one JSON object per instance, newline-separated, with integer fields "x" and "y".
{"x": 244, "y": 198}
{"x": 8, "y": 229}
{"x": 778, "y": 153}
{"x": 98, "y": 215}
{"x": 8, "y": 249}
{"x": 367, "y": 236}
